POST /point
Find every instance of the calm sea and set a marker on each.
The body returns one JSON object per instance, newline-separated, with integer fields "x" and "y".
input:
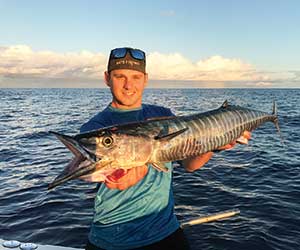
{"x": 261, "y": 179}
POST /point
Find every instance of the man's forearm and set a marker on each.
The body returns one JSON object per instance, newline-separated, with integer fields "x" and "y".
{"x": 197, "y": 162}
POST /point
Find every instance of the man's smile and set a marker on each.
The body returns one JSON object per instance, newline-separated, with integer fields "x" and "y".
{"x": 129, "y": 93}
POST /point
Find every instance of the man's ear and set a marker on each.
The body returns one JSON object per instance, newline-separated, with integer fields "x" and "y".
{"x": 107, "y": 78}
{"x": 146, "y": 79}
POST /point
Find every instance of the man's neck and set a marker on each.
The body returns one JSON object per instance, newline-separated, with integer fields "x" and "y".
{"x": 124, "y": 108}
{"x": 116, "y": 105}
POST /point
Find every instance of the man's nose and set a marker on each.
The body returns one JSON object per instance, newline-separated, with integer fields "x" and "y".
{"x": 128, "y": 84}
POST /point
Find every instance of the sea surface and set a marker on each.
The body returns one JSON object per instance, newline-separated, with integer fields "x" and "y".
{"x": 261, "y": 179}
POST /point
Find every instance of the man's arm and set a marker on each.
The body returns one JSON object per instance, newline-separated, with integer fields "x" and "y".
{"x": 192, "y": 164}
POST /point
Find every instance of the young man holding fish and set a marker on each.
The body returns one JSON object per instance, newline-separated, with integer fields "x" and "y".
{"x": 134, "y": 208}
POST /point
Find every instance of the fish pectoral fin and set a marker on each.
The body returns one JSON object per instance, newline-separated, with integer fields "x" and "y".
{"x": 161, "y": 118}
{"x": 170, "y": 136}
{"x": 159, "y": 166}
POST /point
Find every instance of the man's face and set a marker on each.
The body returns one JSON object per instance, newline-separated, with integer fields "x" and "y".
{"x": 127, "y": 87}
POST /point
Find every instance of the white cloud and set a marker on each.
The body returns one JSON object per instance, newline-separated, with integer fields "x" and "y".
{"x": 263, "y": 84}
{"x": 215, "y": 68}
{"x": 22, "y": 62}
{"x": 169, "y": 67}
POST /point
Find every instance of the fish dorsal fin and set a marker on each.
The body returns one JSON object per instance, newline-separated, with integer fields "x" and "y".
{"x": 166, "y": 137}
{"x": 160, "y": 166}
{"x": 225, "y": 104}
{"x": 161, "y": 118}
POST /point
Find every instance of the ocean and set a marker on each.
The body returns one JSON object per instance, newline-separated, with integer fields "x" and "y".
{"x": 261, "y": 179}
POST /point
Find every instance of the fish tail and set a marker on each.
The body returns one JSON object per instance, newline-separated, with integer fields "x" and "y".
{"x": 276, "y": 121}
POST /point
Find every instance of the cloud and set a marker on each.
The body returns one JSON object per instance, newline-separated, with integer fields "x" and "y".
{"x": 264, "y": 84}
{"x": 215, "y": 68}
{"x": 21, "y": 62}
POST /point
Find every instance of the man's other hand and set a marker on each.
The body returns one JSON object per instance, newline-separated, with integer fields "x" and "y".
{"x": 243, "y": 139}
{"x": 122, "y": 179}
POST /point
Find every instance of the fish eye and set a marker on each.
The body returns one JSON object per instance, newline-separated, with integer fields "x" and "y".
{"x": 107, "y": 141}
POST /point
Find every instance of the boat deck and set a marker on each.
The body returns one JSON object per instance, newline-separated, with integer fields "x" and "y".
{"x": 40, "y": 247}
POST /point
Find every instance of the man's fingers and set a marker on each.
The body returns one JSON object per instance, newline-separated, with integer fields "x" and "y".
{"x": 242, "y": 140}
{"x": 123, "y": 179}
{"x": 247, "y": 134}
{"x": 93, "y": 177}
{"x": 228, "y": 146}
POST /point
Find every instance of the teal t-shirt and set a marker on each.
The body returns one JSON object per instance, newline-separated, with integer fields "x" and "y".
{"x": 142, "y": 214}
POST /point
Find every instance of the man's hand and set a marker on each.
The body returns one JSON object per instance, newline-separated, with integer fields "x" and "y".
{"x": 119, "y": 179}
{"x": 243, "y": 139}
{"x": 122, "y": 179}
{"x": 197, "y": 162}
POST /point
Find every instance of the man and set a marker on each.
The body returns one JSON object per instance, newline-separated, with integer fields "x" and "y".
{"x": 134, "y": 209}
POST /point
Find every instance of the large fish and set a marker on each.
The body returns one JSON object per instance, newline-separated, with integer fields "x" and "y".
{"x": 157, "y": 140}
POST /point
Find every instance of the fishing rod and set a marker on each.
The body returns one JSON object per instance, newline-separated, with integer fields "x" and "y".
{"x": 210, "y": 217}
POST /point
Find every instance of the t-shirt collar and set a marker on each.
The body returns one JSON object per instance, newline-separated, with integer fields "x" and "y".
{"x": 111, "y": 108}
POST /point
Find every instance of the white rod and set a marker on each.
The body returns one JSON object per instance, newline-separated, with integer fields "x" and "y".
{"x": 211, "y": 217}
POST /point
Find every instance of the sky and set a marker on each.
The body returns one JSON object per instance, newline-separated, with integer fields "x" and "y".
{"x": 216, "y": 43}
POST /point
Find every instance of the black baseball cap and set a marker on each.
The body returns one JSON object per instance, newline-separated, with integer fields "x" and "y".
{"x": 127, "y": 58}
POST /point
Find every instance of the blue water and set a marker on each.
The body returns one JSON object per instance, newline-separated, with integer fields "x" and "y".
{"x": 261, "y": 179}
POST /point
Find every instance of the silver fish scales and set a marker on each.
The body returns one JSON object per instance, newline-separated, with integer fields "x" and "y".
{"x": 210, "y": 130}
{"x": 158, "y": 140}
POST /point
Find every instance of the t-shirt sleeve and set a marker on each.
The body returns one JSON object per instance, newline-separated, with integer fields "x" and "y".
{"x": 169, "y": 112}
{"x": 95, "y": 123}
{"x": 90, "y": 125}
{"x": 157, "y": 111}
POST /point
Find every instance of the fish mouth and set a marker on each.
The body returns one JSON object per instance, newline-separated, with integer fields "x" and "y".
{"x": 82, "y": 164}
{"x": 65, "y": 176}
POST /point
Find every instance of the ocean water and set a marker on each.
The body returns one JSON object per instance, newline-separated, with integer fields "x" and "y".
{"x": 261, "y": 179}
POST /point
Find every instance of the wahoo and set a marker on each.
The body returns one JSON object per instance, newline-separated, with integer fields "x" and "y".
{"x": 157, "y": 140}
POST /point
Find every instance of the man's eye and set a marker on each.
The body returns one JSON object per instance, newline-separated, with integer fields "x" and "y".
{"x": 137, "y": 77}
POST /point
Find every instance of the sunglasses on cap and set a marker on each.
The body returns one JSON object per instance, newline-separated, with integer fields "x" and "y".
{"x": 121, "y": 53}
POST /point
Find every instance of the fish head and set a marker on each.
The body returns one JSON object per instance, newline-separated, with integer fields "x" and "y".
{"x": 118, "y": 150}
{"x": 103, "y": 152}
